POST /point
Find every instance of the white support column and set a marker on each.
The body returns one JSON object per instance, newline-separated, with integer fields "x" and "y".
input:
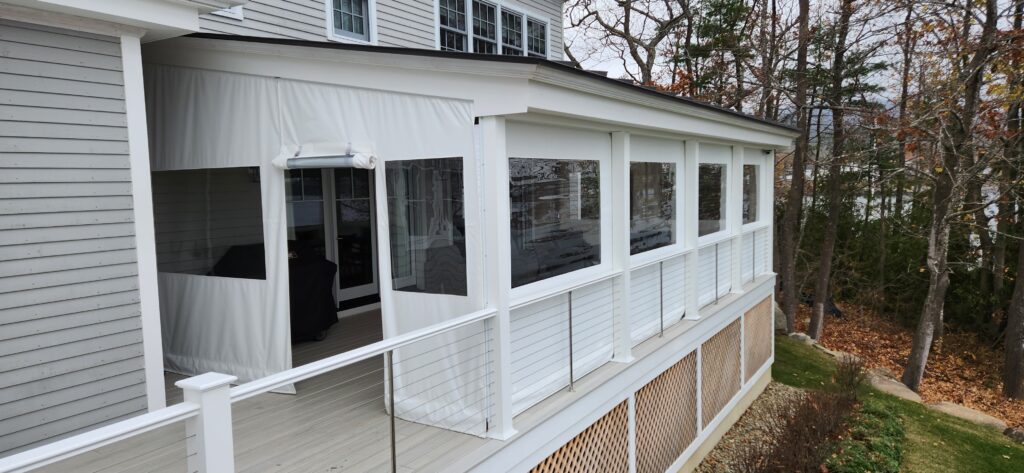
{"x": 734, "y": 217}
{"x": 689, "y": 189}
{"x": 210, "y": 441}
{"x": 498, "y": 271}
{"x": 623, "y": 351}
{"x": 145, "y": 235}
{"x": 700, "y": 390}
{"x": 768, "y": 208}
{"x": 631, "y": 431}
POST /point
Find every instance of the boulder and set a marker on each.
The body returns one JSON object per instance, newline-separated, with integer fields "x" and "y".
{"x": 1015, "y": 434}
{"x": 968, "y": 414}
{"x": 838, "y": 355}
{"x": 802, "y": 337}
{"x": 780, "y": 320}
{"x": 883, "y": 372}
{"x": 893, "y": 387}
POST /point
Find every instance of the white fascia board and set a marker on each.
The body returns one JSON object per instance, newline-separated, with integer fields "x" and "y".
{"x": 159, "y": 18}
{"x": 500, "y": 89}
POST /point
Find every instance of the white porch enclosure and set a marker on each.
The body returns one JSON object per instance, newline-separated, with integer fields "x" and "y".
{"x": 545, "y": 243}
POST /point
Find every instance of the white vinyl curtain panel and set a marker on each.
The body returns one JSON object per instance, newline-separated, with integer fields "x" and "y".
{"x": 206, "y": 119}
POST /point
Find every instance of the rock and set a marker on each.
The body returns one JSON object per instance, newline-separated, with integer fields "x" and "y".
{"x": 1017, "y": 435}
{"x": 968, "y": 414}
{"x": 839, "y": 355}
{"x": 780, "y": 320}
{"x": 883, "y": 372}
{"x": 802, "y": 337}
{"x": 893, "y": 387}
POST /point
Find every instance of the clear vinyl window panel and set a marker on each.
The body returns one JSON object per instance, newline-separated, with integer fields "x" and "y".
{"x": 427, "y": 225}
{"x": 750, "y": 193}
{"x": 453, "y": 32}
{"x": 652, "y": 206}
{"x": 209, "y": 222}
{"x": 555, "y": 217}
{"x": 711, "y": 198}
{"x": 351, "y": 19}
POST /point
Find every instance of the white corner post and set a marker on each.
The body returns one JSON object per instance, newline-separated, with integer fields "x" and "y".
{"x": 735, "y": 219}
{"x": 142, "y": 207}
{"x": 498, "y": 262}
{"x": 691, "y": 193}
{"x": 631, "y": 431}
{"x": 768, "y": 211}
{"x": 210, "y": 442}
{"x": 623, "y": 340}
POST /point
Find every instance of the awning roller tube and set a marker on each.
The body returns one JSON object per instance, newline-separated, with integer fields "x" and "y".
{"x": 324, "y": 155}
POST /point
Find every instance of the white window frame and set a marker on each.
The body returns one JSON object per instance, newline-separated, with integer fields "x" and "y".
{"x": 499, "y": 6}
{"x": 235, "y": 13}
{"x": 726, "y": 161}
{"x": 678, "y": 160}
{"x": 371, "y": 24}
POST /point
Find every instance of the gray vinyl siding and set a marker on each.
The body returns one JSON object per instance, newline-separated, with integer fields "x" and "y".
{"x": 70, "y": 325}
{"x": 400, "y": 23}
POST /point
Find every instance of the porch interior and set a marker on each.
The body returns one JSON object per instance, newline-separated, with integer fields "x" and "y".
{"x": 334, "y": 422}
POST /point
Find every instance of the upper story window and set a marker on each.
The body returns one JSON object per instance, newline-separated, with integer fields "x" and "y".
{"x": 351, "y": 19}
{"x": 750, "y": 188}
{"x": 536, "y": 38}
{"x": 520, "y": 34}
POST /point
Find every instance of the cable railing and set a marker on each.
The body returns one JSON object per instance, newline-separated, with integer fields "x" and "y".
{"x": 437, "y": 382}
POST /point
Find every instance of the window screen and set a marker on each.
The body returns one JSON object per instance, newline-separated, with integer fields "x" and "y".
{"x": 652, "y": 206}
{"x": 453, "y": 31}
{"x": 555, "y": 217}
{"x": 711, "y": 201}
{"x": 209, "y": 222}
{"x": 749, "y": 193}
{"x": 351, "y": 19}
{"x": 485, "y": 28}
{"x": 427, "y": 225}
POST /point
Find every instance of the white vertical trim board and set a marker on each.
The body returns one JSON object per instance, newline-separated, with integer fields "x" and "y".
{"x": 145, "y": 237}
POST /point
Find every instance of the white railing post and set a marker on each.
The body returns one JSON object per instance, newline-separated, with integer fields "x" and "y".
{"x": 735, "y": 214}
{"x": 622, "y": 338}
{"x": 210, "y": 442}
{"x": 689, "y": 229}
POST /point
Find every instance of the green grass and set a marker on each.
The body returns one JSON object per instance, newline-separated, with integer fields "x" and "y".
{"x": 935, "y": 442}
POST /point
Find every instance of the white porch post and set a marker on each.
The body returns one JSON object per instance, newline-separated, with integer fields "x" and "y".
{"x": 768, "y": 209}
{"x": 498, "y": 254}
{"x": 690, "y": 191}
{"x": 620, "y": 247}
{"x": 210, "y": 442}
{"x": 142, "y": 207}
{"x": 734, "y": 216}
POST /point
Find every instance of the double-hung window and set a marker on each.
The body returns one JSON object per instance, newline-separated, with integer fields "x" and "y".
{"x": 536, "y": 38}
{"x": 511, "y": 33}
{"x": 351, "y": 19}
{"x": 453, "y": 33}
{"x": 487, "y": 27}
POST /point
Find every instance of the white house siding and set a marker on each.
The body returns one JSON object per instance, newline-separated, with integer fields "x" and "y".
{"x": 70, "y": 337}
{"x": 400, "y": 23}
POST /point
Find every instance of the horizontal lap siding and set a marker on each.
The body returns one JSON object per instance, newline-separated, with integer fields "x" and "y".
{"x": 295, "y": 19}
{"x": 406, "y": 23}
{"x": 70, "y": 326}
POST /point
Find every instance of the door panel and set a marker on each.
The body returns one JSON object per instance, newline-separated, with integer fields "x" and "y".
{"x": 355, "y": 233}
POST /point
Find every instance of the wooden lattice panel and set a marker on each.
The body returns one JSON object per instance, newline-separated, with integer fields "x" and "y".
{"x": 757, "y": 336}
{"x": 720, "y": 371}
{"x": 666, "y": 416}
{"x": 602, "y": 447}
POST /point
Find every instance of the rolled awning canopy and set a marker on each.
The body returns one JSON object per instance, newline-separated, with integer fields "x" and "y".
{"x": 324, "y": 155}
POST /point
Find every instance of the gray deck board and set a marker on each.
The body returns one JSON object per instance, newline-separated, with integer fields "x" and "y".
{"x": 334, "y": 422}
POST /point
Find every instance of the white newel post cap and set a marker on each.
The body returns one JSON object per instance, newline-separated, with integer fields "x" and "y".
{"x": 206, "y": 382}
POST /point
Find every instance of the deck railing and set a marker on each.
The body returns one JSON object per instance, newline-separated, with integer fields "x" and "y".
{"x": 208, "y": 398}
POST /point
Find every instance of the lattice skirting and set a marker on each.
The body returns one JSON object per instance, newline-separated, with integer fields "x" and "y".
{"x": 757, "y": 336}
{"x": 666, "y": 416}
{"x": 602, "y": 447}
{"x": 720, "y": 371}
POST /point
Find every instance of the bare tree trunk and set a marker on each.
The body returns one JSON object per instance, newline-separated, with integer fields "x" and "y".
{"x": 1013, "y": 363}
{"x": 794, "y": 201}
{"x": 908, "y": 54}
{"x": 835, "y": 181}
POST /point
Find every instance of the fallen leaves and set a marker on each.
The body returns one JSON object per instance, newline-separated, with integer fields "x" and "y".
{"x": 961, "y": 368}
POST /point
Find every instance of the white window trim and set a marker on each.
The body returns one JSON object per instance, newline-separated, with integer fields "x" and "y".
{"x": 371, "y": 22}
{"x": 725, "y": 232}
{"x": 235, "y": 13}
{"x": 527, "y": 14}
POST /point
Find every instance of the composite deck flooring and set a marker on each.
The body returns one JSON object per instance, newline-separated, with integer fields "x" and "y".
{"x": 335, "y": 422}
